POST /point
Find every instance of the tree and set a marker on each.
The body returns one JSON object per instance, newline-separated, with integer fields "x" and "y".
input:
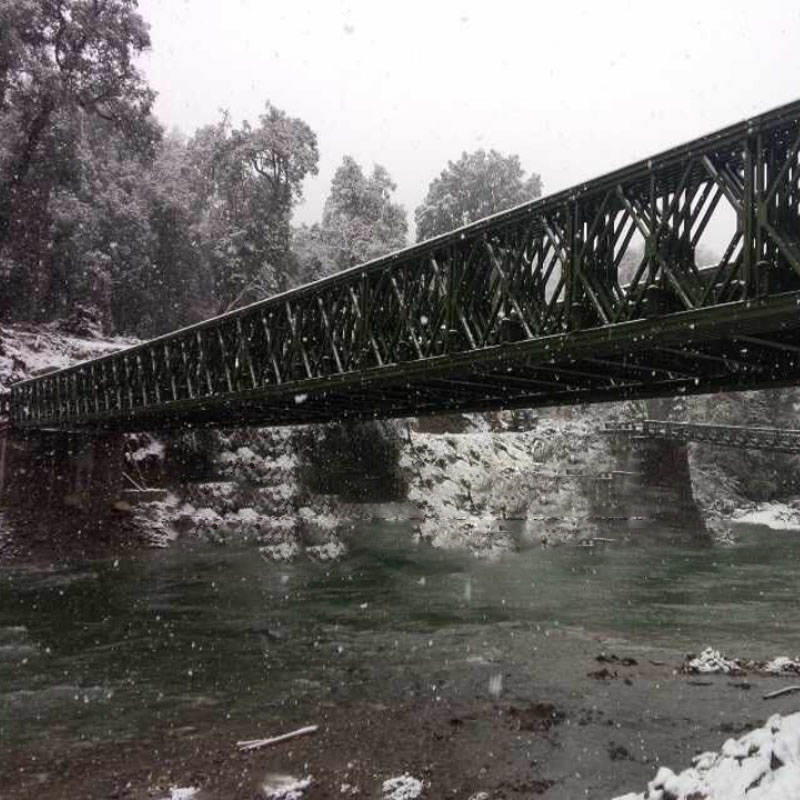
{"x": 246, "y": 182}
{"x": 477, "y": 185}
{"x": 312, "y": 258}
{"x": 64, "y": 64}
{"x": 360, "y": 221}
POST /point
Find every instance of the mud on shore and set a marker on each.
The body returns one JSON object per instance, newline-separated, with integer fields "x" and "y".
{"x": 548, "y": 713}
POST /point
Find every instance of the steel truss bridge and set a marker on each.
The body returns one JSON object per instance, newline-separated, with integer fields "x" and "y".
{"x": 780, "y": 439}
{"x": 592, "y": 294}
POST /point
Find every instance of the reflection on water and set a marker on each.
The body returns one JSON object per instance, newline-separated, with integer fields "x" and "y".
{"x": 201, "y": 636}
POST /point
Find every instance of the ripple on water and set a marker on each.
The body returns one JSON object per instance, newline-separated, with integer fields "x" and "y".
{"x": 17, "y": 650}
{"x": 33, "y": 702}
{"x": 12, "y": 632}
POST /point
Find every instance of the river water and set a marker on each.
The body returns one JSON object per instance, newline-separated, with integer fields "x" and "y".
{"x": 201, "y": 638}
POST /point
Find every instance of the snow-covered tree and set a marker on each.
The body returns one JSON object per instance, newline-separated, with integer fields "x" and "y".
{"x": 246, "y": 183}
{"x": 360, "y": 220}
{"x": 475, "y": 186}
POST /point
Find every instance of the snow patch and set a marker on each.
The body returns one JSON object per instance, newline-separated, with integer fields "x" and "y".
{"x": 712, "y": 661}
{"x": 782, "y": 665}
{"x": 285, "y": 551}
{"x": 404, "y": 787}
{"x": 466, "y": 487}
{"x": 762, "y": 765}
{"x": 330, "y": 551}
{"x": 153, "y": 449}
{"x": 777, "y": 516}
{"x": 179, "y": 793}
{"x": 285, "y": 787}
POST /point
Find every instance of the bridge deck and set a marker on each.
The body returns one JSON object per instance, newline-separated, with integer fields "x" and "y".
{"x": 526, "y": 308}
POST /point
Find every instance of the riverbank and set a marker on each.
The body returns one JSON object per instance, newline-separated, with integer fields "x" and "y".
{"x": 524, "y": 713}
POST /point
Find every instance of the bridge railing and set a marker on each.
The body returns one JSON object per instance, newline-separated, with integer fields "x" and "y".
{"x": 545, "y": 269}
{"x": 746, "y": 437}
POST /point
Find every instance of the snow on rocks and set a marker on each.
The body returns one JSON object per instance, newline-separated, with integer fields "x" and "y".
{"x": 152, "y": 449}
{"x": 27, "y": 350}
{"x": 284, "y": 787}
{"x": 762, "y": 765}
{"x": 468, "y": 486}
{"x": 777, "y": 516}
{"x": 711, "y": 660}
{"x": 285, "y": 551}
{"x": 182, "y": 793}
{"x": 782, "y": 665}
{"x": 260, "y": 497}
{"x": 155, "y": 520}
{"x": 404, "y": 787}
{"x": 330, "y": 551}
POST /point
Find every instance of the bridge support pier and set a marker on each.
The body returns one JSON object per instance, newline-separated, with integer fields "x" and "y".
{"x": 48, "y": 471}
{"x": 653, "y": 483}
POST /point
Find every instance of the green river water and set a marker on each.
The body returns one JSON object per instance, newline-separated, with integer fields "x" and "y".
{"x": 196, "y": 635}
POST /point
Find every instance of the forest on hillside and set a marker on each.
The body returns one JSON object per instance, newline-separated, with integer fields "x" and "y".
{"x": 101, "y": 206}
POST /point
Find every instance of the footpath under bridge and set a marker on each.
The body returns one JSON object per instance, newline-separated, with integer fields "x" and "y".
{"x": 531, "y": 307}
{"x": 783, "y": 440}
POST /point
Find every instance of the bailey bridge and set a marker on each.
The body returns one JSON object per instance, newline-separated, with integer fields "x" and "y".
{"x": 595, "y": 293}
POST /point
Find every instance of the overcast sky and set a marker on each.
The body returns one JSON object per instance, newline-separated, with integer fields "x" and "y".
{"x": 574, "y": 88}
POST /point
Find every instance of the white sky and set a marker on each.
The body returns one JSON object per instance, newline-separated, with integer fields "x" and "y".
{"x": 574, "y": 88}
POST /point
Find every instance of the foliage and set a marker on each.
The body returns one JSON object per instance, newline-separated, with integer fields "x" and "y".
{"x": 477, "y": 185}
{"x": 99, "y": 208}
{"x": 66, "y": 66}
{"x": 246, "y": 182}
{"x": 360, "y": 220}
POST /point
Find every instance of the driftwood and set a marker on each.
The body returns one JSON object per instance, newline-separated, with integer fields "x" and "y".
{"x": 255, "y": 744}
{"x": 781, "y": 692}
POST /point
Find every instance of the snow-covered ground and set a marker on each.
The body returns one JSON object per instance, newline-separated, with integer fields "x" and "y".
{"x": 778, "y": 516}
{"x": 469, "y": 489}
{"x": 27, "y": 350}
{"x": 761, "y": 765}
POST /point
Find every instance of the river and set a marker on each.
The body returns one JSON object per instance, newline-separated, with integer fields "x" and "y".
{"x": 189, "y": 648}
